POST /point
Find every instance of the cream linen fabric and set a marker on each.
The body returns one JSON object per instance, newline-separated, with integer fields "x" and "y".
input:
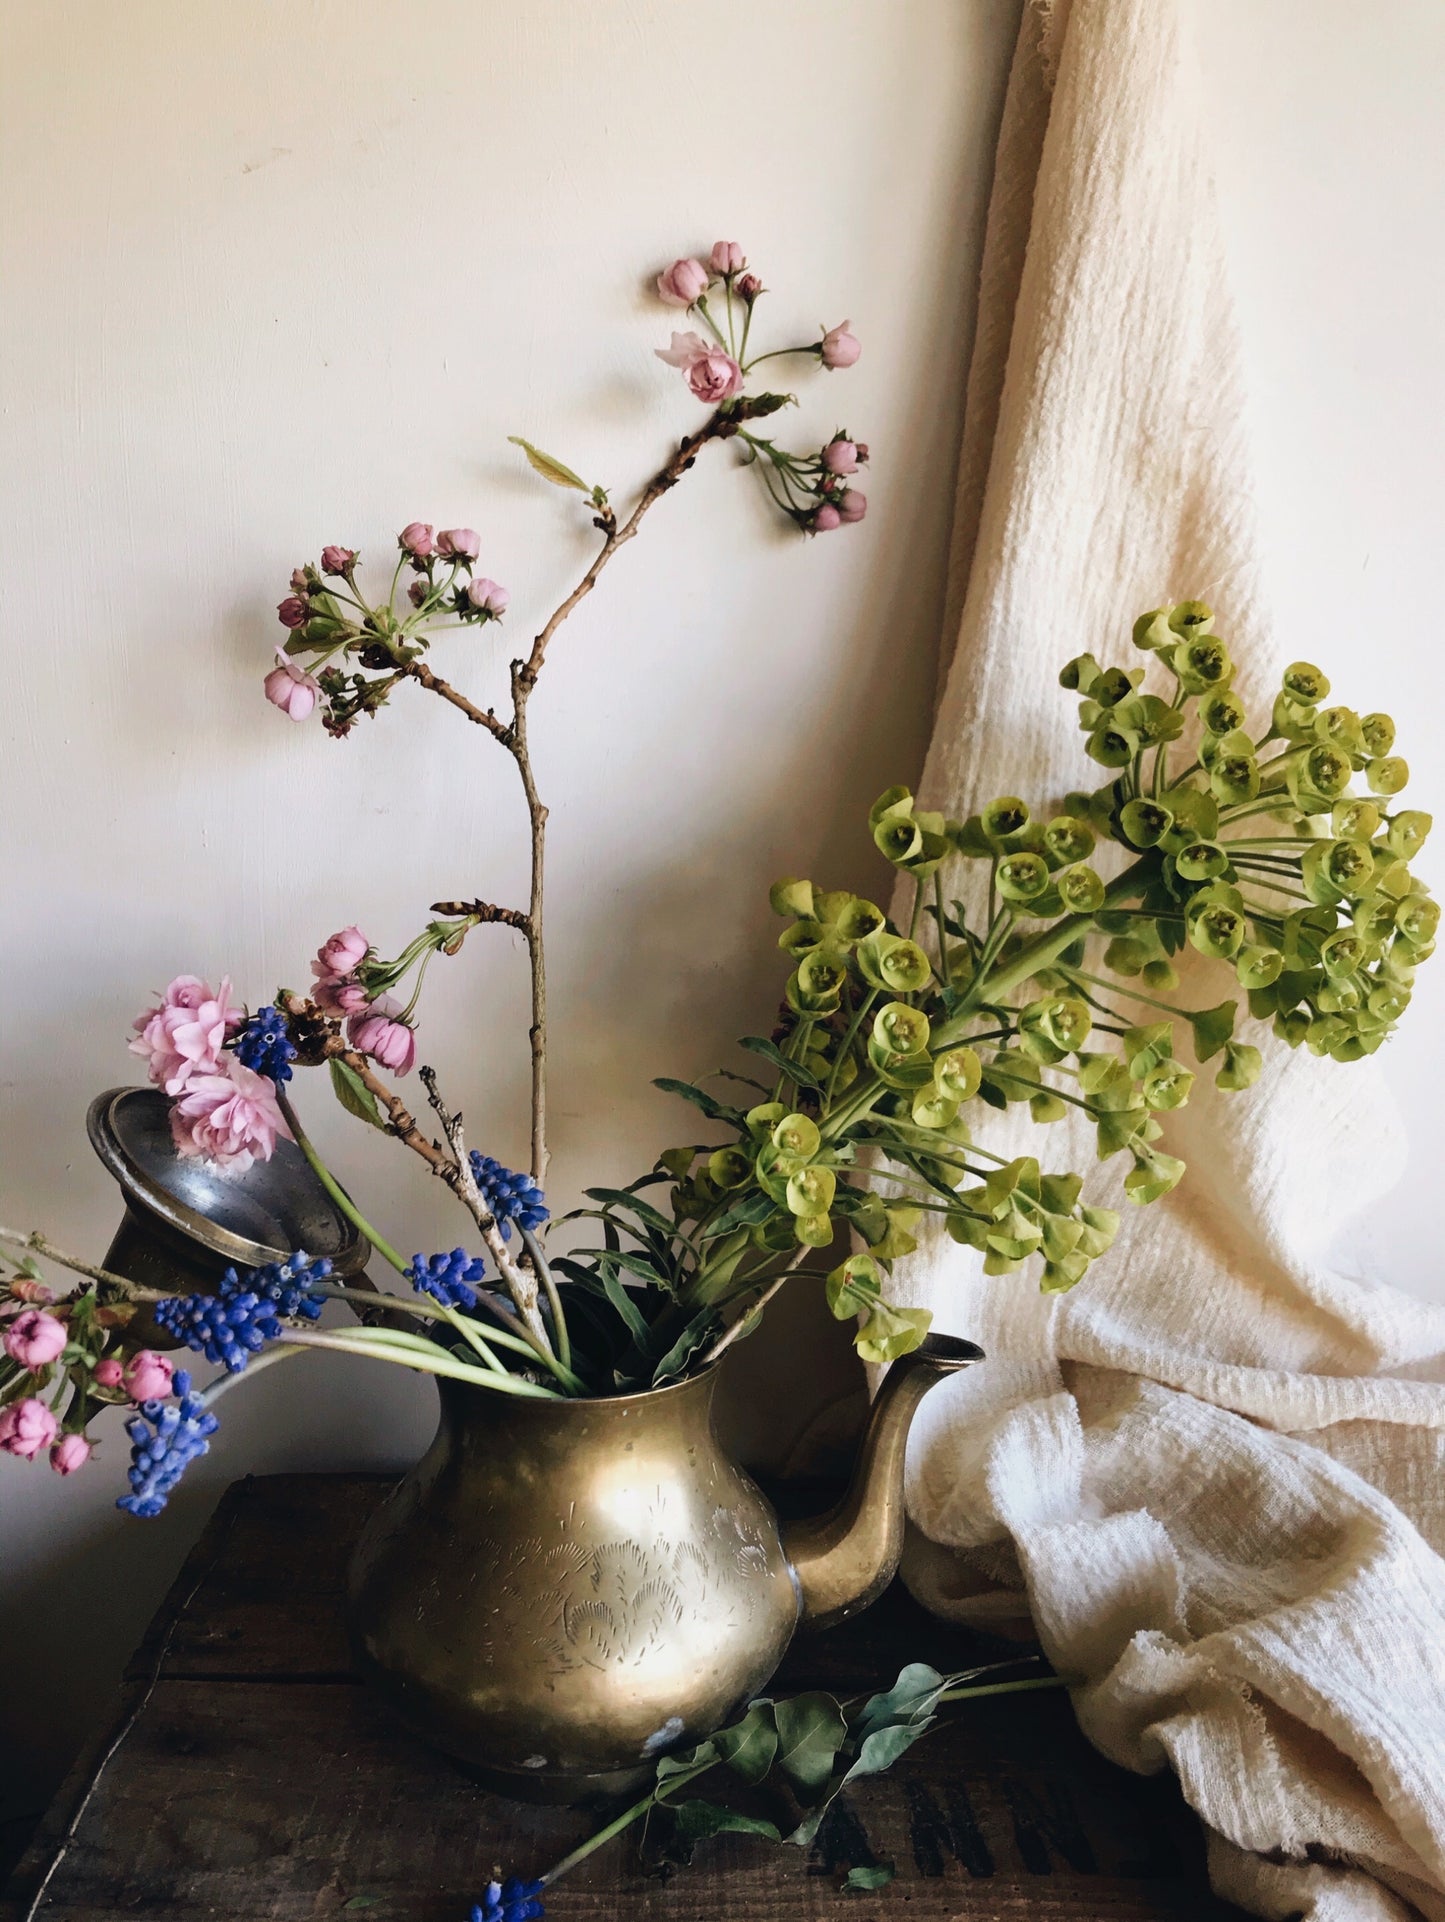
{"x": 1213, "y": 1472}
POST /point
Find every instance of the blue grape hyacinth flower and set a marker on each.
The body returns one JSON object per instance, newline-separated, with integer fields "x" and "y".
{"x": 510, "y": 1196}
{"x": 166, "y": 1437}
{"x": 511, "y": 1901}
{"x": 264, "y": 1044}
{"x": 451, "y": 1279}
{"x": 247, "y": 1312}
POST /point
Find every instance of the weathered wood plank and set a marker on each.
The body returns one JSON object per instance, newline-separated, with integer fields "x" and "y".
{"x": 246, "y": 1775}
{"x": 288, "y": 1802}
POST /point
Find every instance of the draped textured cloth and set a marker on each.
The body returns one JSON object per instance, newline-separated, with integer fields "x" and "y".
{"x": 1212, "y": 1474}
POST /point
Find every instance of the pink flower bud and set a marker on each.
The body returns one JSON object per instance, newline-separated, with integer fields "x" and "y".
{"x": 26, "y": 1428}
{"x": 108, "y": 1373}
{"x": 299, "y": 582}
{"x": 418, "y": 538}
{"x": 488, "y": 597}
{"x": 840, "y": 456}
{"x": 862, "y": 446}
{"x": 147, "y": 1376}
{"x": 341, "y": 953}
{"x": 418, "y": 591}
{"x": 683, "y": 282}
{"x": 293, "y": 611}
{"x": 22, "y": 1288}
{"x": 852, "y": 505}
{"x": 386, "y": 1040}
{"x": 291, "y": 688}
{"x": 69, "y": 1453}
{"x": 459, "y": 543}
{"x": 35, "y": 1339}
{"x": 826, "y": 519}
{"x": 839, "y": 347}
{"x": 749, "y": 286}
{"x": 336, "y": 560}
{"x": 726, "y": 257}
{"x": 340, "y": 994}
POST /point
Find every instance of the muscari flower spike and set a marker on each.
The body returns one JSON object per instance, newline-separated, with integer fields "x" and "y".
{"x": 450, "y": 1279}
{"x": 166, "y": 1436}
{"x": 264, "y": 1044}
{"x": 247, "y": 1312}
{"x": 510, "y": 1196}
{"x": 511, "y": 1901}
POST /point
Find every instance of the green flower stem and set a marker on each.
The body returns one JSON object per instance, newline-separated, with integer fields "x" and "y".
{"x": 624, "y": 1821}
{"x": 1129, "y": 994}
{"x": 554, "y": 1302}
{"x": 282, "y": 1351}
{"x": 334, "y": 1188}
{"x": 367, "y": 1342}
{"x": 429, "y": 1310}
{"x": 474, "y": 1339}
{"x": 1003, "y": 1688}
{"x": 942, "y": 930}
{"x": 846, "y": 1045}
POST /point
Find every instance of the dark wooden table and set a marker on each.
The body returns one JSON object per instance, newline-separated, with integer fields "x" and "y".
{"x": 248, "y": 1775}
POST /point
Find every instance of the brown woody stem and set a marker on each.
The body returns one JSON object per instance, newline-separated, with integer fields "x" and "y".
{"x": 512, "y": 735}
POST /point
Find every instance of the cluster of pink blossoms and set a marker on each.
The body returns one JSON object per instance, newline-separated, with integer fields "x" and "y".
{"x": 36, "y": 1339}
{"x": 373, "y": 1022}
{"x": 812, "y": 491}
{"x": 327, "y": 620}
{"x": 220, "y": 1109}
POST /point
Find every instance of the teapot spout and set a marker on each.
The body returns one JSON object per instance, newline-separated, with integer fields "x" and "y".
{"x": 844, "y": 1560}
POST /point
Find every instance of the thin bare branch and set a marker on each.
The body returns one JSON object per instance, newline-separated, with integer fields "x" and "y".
{"x": 482, "y": 716}
{"x": 35, "y": 1243}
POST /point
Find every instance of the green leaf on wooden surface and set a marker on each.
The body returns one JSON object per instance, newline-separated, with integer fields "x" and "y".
{"x": 811, "y": 1730}
{"x": 549, "y": 467}
{"x": 878, "y": 1877}
{"x": 695, "y": 1821}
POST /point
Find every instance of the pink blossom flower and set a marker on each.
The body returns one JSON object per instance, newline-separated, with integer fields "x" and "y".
{"x": 342, "y": 952}
{"x": 291, "y": 688}
{"x": 293, "y": 611}
{"x": 418, "y": 538}
{"x": 69, "y": 1453}
{"x": 26, "y": 1427}
{"x": 712, "y": 375}
{"x": 459, "y": 543}
{"x": 826, "y": 519}
{"x": 108, "y": 1373}
{"x": 35, "y": 1339}
{"x": 231, "y": 1118}
{"x": 683, "y": 282}
{"x": 336, "y": 560}
{"x": 749, "y": 286}
{"x": 852, "y": 505}
{"x": 840, "y": 456}
{"x": 726, "y": 257}
{"x": 147, "y": 1376}
{"x": 376, "y": 1032}
{"x": 839, "y": 347}
{"x": 184, "y": 1036}
{"x": 488, "y": 597}
{"x": 300, "y": 584}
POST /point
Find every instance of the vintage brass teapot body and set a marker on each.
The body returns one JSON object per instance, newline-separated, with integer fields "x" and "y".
{"x": 560, "y": 1591}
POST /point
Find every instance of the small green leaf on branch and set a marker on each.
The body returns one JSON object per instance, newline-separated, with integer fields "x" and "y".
{"x": 354, "y": 1095}
{"x": 551, "y": 469}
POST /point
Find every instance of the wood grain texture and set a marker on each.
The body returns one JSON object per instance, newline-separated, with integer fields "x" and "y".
{"x": 248, "y": 1776}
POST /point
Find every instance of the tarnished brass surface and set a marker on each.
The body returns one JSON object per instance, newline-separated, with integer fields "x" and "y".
{"x": 844, "y": 1560}
{"x": 185, "y": 1224}
{"x": 560, "y": 1591}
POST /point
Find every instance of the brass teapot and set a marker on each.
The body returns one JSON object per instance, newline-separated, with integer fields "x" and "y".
{"x": 561, "y": 1591}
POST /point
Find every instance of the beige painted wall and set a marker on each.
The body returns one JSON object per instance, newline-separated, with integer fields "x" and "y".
{"x": 278, "y": 274}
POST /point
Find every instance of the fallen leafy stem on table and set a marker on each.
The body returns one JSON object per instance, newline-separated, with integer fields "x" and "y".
{"x": 1035, "y": 966}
